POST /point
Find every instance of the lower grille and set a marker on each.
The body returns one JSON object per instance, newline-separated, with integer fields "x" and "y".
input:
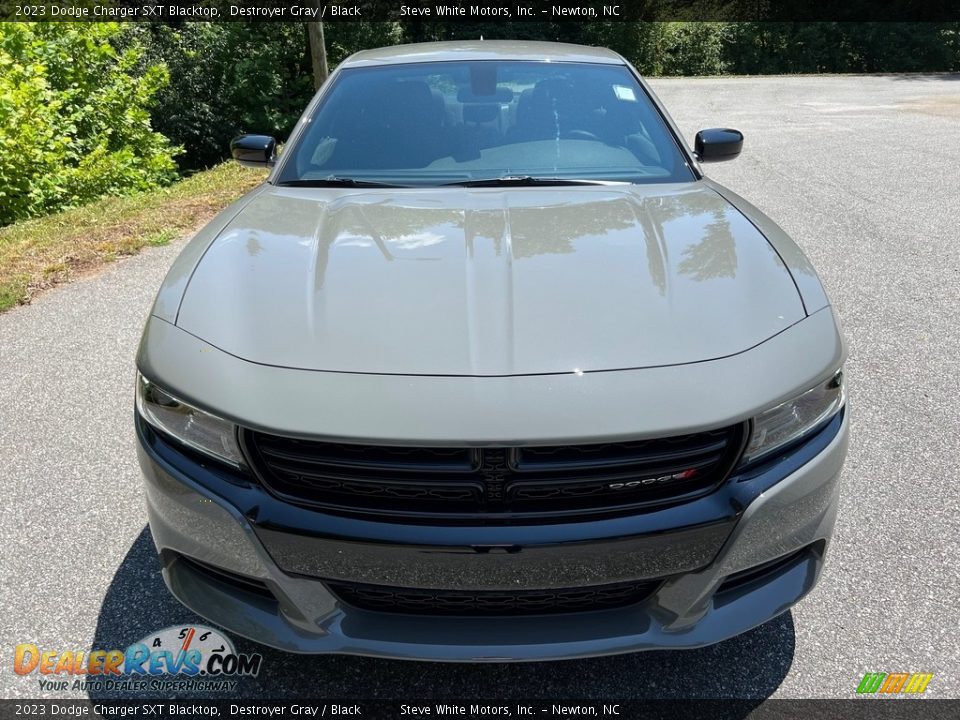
{"x": 240, "y": 582}
{"x": 496, "y": 485}
{"x": 464, "y": 603}
{"x": 759, "y": 574}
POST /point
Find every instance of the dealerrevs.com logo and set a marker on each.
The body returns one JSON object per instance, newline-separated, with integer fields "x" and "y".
{"x": 191, "y": 658}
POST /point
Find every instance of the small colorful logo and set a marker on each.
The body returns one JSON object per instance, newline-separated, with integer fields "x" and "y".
{"x": 894, "y": 683}
{"x": 184, "y": 652}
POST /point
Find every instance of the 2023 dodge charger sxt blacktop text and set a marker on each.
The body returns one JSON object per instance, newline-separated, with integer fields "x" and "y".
{"x": 487, "y": 369}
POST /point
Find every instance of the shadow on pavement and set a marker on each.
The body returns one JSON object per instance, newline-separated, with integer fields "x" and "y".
{"x": 750, "y": 666}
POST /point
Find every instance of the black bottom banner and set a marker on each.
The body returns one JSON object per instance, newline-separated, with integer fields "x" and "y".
{"x": 858, "y": 709}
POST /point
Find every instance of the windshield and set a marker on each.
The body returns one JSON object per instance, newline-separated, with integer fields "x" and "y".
{"x": 450, "y": 122}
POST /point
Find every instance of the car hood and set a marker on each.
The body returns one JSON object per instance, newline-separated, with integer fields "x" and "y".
{"x": 488, "y": 282}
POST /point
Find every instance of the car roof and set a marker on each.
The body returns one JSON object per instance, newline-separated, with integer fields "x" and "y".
{"x": 482, "y": 50}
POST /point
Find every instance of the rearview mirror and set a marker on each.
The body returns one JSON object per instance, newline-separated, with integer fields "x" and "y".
{"x": 717, "y": 144}
{"x": 254, "y": 150}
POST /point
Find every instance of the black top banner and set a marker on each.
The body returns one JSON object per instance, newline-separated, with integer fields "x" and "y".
{"x": 554, "y": 11}
{"x": 484, "y": 710}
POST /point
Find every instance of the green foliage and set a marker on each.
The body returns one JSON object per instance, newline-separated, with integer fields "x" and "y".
{"x": 695, "y": 48}
{"x": 842, "y": 47}
{"x": 231, "y": 78}
{"x": 224, "y": 80}
{"x": 667, "y": 48}
{"x": 346, "y": 38}
{"x": 75, "y": 118}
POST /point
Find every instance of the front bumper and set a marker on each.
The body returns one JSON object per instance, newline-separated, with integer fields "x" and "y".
{"x": 206, "y": 523}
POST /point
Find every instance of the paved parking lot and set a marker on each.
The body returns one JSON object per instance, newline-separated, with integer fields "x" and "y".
{"x": 862, "y": 171}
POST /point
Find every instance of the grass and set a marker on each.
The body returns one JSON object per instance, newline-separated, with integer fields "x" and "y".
{"x": 38, "y": 254}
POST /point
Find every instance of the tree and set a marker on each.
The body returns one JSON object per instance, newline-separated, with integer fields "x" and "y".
{"x": 318, "y": 53}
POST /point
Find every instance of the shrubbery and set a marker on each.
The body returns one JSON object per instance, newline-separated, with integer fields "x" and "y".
{"x": 75, "y": 118}
{"x": 231, "y": 78}
{"x": 225, "y": 79}
{"x": 842, "y": 47}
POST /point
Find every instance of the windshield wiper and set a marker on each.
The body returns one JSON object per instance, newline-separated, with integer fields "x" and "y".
{"x": 521, "y": 180}
{"x": 336, "y": 181}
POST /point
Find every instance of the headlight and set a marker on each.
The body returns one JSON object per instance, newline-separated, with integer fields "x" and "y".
{"x": 779, "y": 426}
{"x": 198, "y": 429}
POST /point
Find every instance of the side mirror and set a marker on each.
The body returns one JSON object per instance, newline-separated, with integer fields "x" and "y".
{"x": 717, "y": 144}
{"x": 254, "y": 150}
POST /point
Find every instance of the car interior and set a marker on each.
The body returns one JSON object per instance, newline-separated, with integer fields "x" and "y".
{"x": 405, "y": 123}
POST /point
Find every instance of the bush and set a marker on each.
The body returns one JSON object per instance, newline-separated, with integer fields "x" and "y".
{"x": 225, "y": 79}
{"x": 74, "y": 118}
{"x": 695, "y": 48}
{"x": 842, "y": 47}
{"x": 231, "y": 78}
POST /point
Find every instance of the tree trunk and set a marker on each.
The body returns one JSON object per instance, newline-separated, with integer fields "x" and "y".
{"x": 318, "y": 53}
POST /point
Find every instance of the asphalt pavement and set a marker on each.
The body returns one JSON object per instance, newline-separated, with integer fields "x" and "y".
{"x": 861, "y": 171}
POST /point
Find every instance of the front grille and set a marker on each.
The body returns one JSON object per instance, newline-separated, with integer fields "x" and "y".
{"x": 493, "y": 485}
{"x": 465, "y": 603}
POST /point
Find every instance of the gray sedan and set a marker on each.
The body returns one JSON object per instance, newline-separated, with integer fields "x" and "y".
{"x": 489, "y": 370}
